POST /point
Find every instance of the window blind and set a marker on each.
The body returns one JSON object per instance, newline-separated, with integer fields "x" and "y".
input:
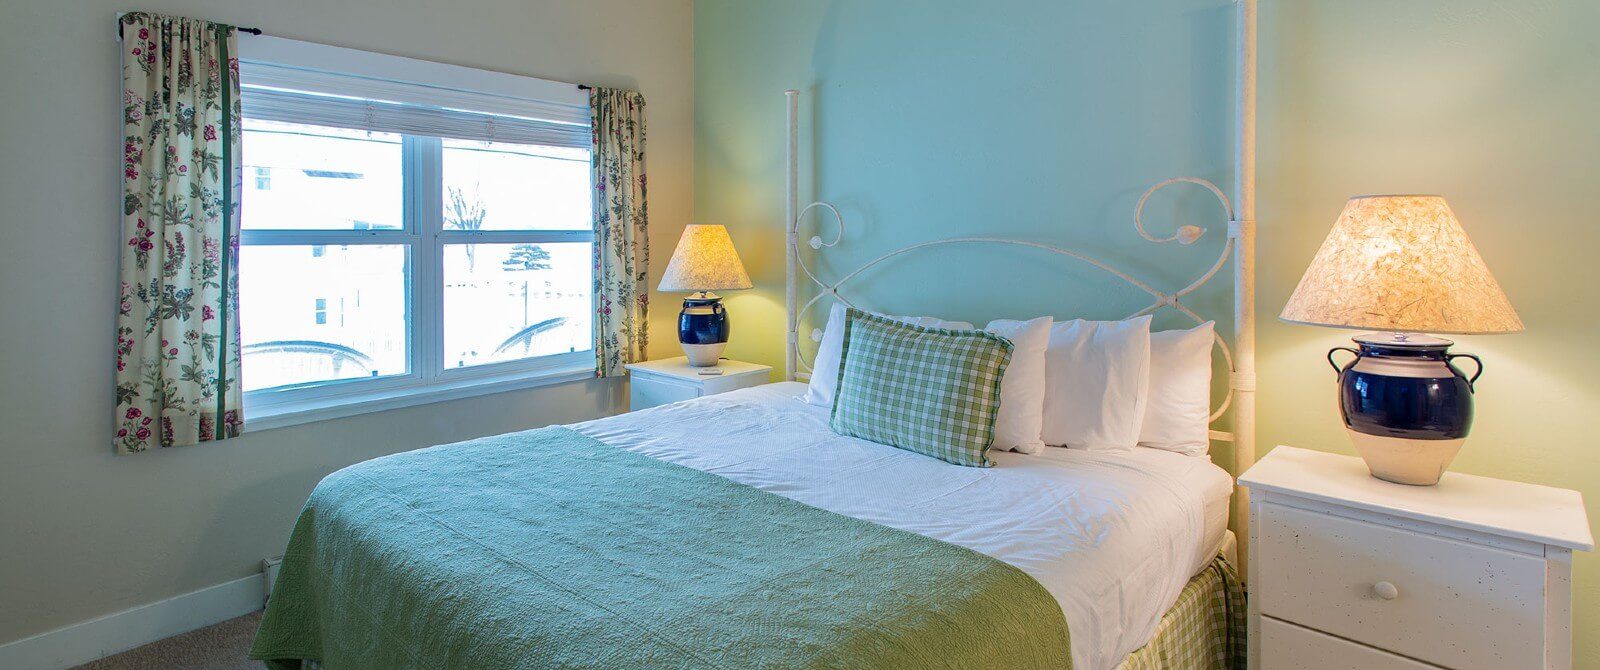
{"x": 408, "y": 119}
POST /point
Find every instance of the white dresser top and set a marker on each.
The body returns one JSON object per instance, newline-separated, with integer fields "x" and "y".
{"x": 1509, "y": 509}
{"x": 679, "y": 367}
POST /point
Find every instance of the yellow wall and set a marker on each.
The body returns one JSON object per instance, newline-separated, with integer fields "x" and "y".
{"x": 1495, "y": 106}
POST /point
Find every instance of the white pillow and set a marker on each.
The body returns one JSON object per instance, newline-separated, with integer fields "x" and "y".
{"x": 1096, "y": 377}
{"x": 1179, "y": 406}
{"x": 825, "y": 369}
{"x": 1018, "y": 424}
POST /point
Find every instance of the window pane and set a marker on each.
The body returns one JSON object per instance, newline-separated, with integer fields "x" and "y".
{"x": 499, "y": 186}
{"x": 318, "y": 313}
{"x": 300, "y": 177}
{"x": 508, "y": 301}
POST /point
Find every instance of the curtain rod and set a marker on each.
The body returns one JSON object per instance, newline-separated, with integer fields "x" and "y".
{"x": 242, "y": 29}
{"x": 257, "y": 31}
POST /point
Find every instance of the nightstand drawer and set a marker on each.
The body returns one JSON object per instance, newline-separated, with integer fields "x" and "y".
{"x": 1285, "y": 646}
{"x": 670, "y": 380}
{"x": 1452, "y": 603}
{"x": 650, "y": 391}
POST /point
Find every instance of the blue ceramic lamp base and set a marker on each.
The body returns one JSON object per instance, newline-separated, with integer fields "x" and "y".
{"x": 703, "y": 329}
{"x": 1407, "y": 409}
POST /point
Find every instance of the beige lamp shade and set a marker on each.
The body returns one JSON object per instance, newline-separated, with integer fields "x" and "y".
{"x": 704, "y": 261}
{"x": 1400, "y": 263}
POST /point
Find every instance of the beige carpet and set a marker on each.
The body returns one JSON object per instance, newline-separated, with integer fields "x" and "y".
{"x": 219, "y": 647}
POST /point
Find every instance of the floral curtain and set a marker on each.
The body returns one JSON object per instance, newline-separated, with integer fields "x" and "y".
{"x": 621, "y": 221}
{"x": 177, "y": 322}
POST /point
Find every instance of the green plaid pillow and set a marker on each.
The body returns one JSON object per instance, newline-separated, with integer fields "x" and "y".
{"x": 929, "y": 390}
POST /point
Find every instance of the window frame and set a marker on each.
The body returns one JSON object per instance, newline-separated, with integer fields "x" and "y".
{"x": 422, "y": 233}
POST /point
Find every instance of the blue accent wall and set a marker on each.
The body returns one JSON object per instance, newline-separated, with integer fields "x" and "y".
{"x": 967, "y": 118}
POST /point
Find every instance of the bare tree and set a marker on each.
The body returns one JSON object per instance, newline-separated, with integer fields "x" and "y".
{"x": 460, "y": 215}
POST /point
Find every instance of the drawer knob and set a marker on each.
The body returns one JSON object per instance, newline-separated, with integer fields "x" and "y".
{"x": 1386, "y": 591}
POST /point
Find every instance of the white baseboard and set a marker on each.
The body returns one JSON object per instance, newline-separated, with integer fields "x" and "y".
{"x": 100, "y": 637}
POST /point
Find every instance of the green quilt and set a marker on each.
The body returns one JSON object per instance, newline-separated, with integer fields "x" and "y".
{"x": 548, "y": 549}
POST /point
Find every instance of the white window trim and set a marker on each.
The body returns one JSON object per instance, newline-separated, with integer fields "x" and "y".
{"x": 329, "y": 69}
{"x": 394, "y": 78}
{"x": 375, "y": 397}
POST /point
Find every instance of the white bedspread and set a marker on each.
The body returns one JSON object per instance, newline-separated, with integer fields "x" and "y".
{"x": 1113, "y": 536}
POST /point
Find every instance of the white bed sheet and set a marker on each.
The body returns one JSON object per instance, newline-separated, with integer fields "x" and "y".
{"x": 1113, "y": 536}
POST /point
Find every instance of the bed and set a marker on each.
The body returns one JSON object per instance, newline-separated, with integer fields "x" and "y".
{"x": 739, "y": 531}
{"x": 488, "y": 553}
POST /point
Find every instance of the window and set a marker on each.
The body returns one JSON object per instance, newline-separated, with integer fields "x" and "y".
{"x": 441, "y": 238}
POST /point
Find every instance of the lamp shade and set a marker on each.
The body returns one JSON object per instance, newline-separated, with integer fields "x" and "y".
{"x": 1400, "y": 263}
{"x": 704, "y": 261}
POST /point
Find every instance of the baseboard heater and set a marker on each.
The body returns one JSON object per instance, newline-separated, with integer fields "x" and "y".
{"x": 269, "y": 572}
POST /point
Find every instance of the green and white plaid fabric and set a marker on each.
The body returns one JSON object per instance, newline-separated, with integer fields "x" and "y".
{"x": 929, "y": 390}
{"x": 1204, "y": 630}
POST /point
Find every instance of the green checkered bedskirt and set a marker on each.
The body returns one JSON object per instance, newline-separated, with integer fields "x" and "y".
{"x": 1204, "y": 630}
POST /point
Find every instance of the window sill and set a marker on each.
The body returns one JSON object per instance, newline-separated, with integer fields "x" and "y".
{"x": 321, "y": 409}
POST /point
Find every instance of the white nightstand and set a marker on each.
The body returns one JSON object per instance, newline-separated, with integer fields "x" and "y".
{"x": 669, "y": 380}
{"x": 1350, "y": 571}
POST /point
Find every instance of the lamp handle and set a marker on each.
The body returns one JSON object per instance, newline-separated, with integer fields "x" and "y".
{"x": 1471, "y": 381}
{"x": 1336, "y": 369}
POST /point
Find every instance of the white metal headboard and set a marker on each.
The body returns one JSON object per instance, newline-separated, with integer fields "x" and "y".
{"x": 1240, "y": 246}
{"x": 1184, "y": 235}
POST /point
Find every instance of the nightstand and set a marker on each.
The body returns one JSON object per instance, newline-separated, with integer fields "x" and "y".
{"x": 669, "y": 380}
{"x": 1350, "y": 571}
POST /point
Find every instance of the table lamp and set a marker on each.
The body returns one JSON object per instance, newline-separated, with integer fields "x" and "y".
{"x": 1402, "y": 265}
{"x": 704, "y": 262}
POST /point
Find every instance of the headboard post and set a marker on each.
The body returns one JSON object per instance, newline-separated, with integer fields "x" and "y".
{"x": 1243, "y": 380}
{"x": 791, "y": 206}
